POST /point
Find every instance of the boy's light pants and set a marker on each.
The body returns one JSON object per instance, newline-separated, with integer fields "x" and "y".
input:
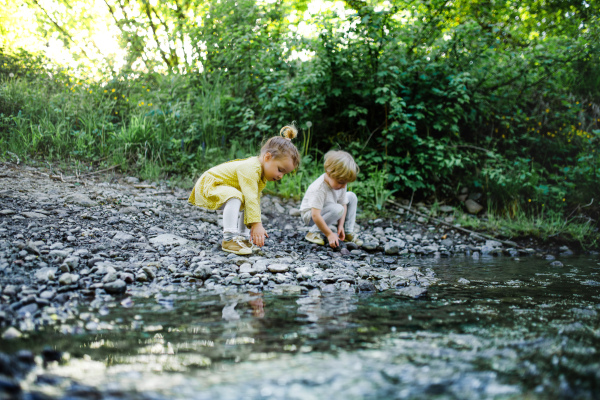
{"x": 332, "y": 212}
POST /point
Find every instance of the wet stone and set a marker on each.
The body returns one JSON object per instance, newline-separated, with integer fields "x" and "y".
{"x": 115, "y": 287}
{"x": 412, "y": 292}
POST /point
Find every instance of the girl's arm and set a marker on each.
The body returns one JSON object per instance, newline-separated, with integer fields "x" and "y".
{"x": 248, "y": 181}
{"x": 258, "y": 233}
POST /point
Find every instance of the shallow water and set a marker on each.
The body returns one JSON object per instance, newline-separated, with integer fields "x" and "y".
{"x": 507, "y": 329}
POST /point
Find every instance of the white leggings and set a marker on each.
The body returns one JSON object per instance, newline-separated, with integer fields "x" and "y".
{"x": 332, "y": 212}
{"x": 233, "y": 218}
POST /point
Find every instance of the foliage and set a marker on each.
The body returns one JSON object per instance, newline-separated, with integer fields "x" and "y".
{"x": 429, "y": 96}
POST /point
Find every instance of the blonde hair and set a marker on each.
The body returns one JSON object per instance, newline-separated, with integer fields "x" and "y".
{"x": 341, "y": 166}
{"x": 281, "y": 146}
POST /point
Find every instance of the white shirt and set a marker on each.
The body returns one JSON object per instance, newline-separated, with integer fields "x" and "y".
{"x": 319, "y": 193}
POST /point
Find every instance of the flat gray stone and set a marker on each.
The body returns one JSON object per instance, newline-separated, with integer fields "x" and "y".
{"x": 11, "y": 333}
{"x": 81, "y": 200}
{"x": 277, "y": 268}
{"x": 115, "y": 287}
{"x": 46, "y": 274}
{"x": 34, "y": 215}
{"x": 168, "y": 239}
{"x": 413, "y": 292}
{"x": 473, "y": 207}
{"x": 123, "y": 237}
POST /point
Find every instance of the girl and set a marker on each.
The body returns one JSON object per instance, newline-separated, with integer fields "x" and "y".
{"x": 235, "y": 187}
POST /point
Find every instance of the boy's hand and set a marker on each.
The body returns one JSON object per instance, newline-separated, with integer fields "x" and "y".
{"x": 341, "y": 233}
{"x": 334, "y": 240}
{"x": 258, "y": 233}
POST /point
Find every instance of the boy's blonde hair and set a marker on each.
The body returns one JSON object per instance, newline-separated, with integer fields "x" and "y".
{"x": 341, "y": 166}
{"x": 281, "y": 146}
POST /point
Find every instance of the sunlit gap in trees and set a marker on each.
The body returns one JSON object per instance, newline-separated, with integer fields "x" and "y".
{"x": 93, "y": 38}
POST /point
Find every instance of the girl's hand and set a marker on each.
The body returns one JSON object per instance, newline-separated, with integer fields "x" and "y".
{"x": 258, "y": 233}
{"x": 334, "y": 240}
{"x": 341, "y": 233}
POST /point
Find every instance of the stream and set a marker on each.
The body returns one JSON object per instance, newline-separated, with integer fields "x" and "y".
{"x": 494, "y": 327}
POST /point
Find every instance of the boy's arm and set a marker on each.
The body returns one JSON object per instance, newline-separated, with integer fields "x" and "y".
{"x": 334, "y": 240}
{"x": 340, "y": 230}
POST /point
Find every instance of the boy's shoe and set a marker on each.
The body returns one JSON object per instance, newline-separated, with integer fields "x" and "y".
{"x": 251, "y": 245}
{"x": 351, "y": 237}
{"x": 236, "y": 246}
{"x": 314, "y": 237}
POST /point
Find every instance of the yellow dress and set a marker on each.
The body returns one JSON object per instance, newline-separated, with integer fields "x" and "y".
{"x": 238, "y": 178}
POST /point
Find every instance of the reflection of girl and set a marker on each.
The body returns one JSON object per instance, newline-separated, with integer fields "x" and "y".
{"x": 258, "y": 307}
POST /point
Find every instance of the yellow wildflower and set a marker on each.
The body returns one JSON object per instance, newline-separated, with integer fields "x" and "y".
{"x": 113, "y": 90}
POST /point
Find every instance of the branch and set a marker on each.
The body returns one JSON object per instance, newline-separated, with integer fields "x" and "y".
{"x": 60, "y": 28}
{"x": 148, "y": 11}
{"x": 505, "y": 242}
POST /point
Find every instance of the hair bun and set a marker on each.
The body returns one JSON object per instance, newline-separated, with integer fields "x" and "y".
{"x": 289, "y": 132}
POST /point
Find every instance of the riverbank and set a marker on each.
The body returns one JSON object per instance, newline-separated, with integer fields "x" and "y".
{"x": 70, "y": 239}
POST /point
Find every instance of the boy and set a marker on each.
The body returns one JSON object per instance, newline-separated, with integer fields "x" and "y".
{"x": 327, "y": 201}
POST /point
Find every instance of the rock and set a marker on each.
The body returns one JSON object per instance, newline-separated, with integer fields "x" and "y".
{"x": 132, "y": 180}
{"x": 556, "y": 264}
{"x": 32, "y": 248}
{"x": 294, "y": 212}
{"x": 391, "y": 248}
{"x": 34, "y": 215}
{"x": 446, "y": 209}
{"x": 123, "y": 237}
{"x": 116, "y": 287}
{"x": 260, "y": 266}
{"x": 371, "y": 245}
{"x": 168, "y": 239}
{"x": 45, "y": 274}
{"x": 72, "y": 262}
{"x": 11, "y": 333}
{"x": 245, "y": 268}
{"x": 447, "y": 243}
{"x": 411, "y": 291}
{"x": 473, "y": 207}
{"x": 81, "y": 200}
{"x": 278, "y": 268}
{"x": 67, "y": 279}
{"x": 203, "y": 272}
{"x": 366, "y": 286}
{"x": 60, "y": 254}
{"x": 141, "y": 277}
{"x": 464, "y": 281}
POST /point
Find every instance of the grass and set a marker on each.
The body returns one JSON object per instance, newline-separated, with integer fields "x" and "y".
{"x": 550, "y": 227}
{"x": 174, "y": 128}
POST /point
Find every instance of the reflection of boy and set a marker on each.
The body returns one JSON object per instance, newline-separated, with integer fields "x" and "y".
{"x": 327, "y": 201}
